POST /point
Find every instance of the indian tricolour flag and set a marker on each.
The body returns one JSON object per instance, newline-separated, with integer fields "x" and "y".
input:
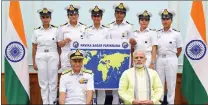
{"x": 195, "y": 66}
{"x": 16, "y": 64}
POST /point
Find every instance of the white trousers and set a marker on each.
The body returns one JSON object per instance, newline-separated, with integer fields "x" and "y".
{"x": 47, "y": 64}
{"x": 101, "y": 97}
{"x": 166, "y": 68}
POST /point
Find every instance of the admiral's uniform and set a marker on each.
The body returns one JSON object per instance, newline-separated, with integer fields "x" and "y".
{"x": 68, "y": 31}
{"x": 47, "y": 59}
{"x": 76, "y": 85}
{"x": 145, "y": 39}
{"x": 167, "y": 61}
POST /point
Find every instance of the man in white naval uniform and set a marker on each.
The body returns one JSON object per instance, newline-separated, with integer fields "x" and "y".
{"x": 169, "y": 49}
{"x": 145, "y": 39}
{"x": 46, "y": 57}
{"x": 76, "y": 84}
{"x": 69, "y": 31}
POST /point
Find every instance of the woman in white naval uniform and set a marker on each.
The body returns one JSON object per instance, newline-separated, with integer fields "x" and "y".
{"x": 119, "y": 29}
{"x": 71, "y": 30}
{"x": 145, "y": 39}
{"x": 46, "y": 57}
{"x": 169, "y": 49}
{"x": 97, "y": 32}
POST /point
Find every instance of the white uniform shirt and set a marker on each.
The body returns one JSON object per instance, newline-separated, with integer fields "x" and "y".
{"x": 98, "y": 34}
{"x": 121, "y": 31}
{"x": 74, "y": 87}
{"x": 68, "y": 31}
{"x": 145, "y": 40}
{"x": 46, "y": 39}
{"x": 168, "y": 42}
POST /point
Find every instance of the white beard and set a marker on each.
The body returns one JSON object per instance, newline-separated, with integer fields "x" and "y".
{"x": 139, "y": 66}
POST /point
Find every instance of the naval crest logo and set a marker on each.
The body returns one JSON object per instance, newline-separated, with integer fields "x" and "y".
{"x": 195, "y": 49}
{"x": 125, "y": 44}
{"x": 15, "y": 51}
{"x": 75, "y": 44}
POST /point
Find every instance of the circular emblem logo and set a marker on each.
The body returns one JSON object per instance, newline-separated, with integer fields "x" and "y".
{"x": 15, "y": 51}
{"x": 75, "y": 44}
{"x": 125, "y": 44}
{"x": 195, "y": 49}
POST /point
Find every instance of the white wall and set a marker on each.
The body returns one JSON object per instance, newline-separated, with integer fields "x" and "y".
{"x": 31, "y": 17}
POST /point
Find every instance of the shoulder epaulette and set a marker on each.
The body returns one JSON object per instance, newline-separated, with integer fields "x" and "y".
{"x": 54, "y": 26}
{"x": 82, "y": 24}
{"x": 37, "y": 28}
{"x": 176, "y": 30}
{"x": 128, "y": 23}
{"x": 66, "y": 71}
{"x": 87, "y": 71}
{"x": 105, "y": 26}
{"x": 159, "y": 30}
{"x": 88, "y": 27}
{"x": 64, "y": 24}
{"x": 153, "y": 29}
{"x": 135, "y": 30}
{"x": 111, "y": 22}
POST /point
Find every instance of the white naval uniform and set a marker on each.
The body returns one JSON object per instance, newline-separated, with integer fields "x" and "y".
{"x": 121, "y": 31}
{"x": 145, "y": 40}
{"x": 96, "y": 34}
{"x": 167, "y": 61}
{"x": 68, "y": 31}
{"x": 74, "y": 89}
{"x": 47, "y": 60}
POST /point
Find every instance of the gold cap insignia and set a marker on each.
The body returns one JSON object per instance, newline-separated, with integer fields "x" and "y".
{"x": 77, "y": 52}
{"x": 145, "y": 13}
{"x": 96, "y": 9}
{"x": 71, "y": 7}
{"x": 165, "y": 12}
{"x": 121, "y": 6}
{"x": 45, "y": 10}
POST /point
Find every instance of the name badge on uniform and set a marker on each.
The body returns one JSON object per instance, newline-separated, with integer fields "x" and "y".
{"x": 83, "y": 81}
{"x": 124, "y": 34}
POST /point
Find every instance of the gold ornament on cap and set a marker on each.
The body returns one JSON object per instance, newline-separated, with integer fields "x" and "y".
{"x": 45, "y": 10}
{"x": 77, "y": 52}
{"x": 165, "y": 12}
{"x": 96, "y": 9}
{"x": 71, "y": 7}
{"x": 121, "y": 6}
{"x": 145, "y": 13}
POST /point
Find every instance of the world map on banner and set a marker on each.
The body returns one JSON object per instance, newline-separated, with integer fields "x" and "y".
{"x": 107, "y": 59}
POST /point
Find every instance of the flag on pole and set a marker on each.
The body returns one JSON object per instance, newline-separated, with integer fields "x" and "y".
{"x": 16, "y": 63}
{"x": 195, "y": 65}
